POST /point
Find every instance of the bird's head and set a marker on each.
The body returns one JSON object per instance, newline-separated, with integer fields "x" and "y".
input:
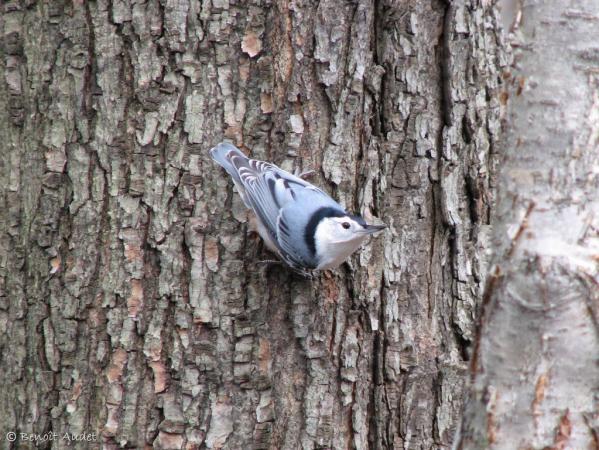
{"x": 338, "y": 234}
{"x": 345, "y": 228}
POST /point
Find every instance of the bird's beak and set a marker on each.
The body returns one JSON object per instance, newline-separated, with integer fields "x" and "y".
{"x": 371, "y": 229}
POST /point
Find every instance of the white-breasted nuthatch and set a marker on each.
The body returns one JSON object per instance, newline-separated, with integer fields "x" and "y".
{"x": 299, "y": 222}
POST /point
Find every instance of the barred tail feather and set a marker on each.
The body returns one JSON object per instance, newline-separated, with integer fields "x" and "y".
{"x": 222, "y": 154}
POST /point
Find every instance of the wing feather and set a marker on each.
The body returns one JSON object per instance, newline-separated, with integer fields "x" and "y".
{"x": 282, "y": 202}
{"x": 288, "y": 245}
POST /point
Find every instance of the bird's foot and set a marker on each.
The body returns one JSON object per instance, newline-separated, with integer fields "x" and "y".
{"x": 268, "y": 262}
{"x": 306, "y": 273}
{"x": 305, "y": 175}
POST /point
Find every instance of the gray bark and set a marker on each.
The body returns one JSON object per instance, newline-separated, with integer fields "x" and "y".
{"x": 535, "y": 373}
{"x": 131, "y": 302}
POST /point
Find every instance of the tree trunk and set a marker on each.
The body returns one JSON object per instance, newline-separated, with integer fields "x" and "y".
{"x": 132, "y": 303}
{"x": 535, "y": 373}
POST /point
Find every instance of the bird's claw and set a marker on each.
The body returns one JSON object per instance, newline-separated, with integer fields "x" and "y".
{"x": 267, "y": 262}
{"x": 306, "y": 174}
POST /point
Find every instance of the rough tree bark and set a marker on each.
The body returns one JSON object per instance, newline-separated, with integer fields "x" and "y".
{"x": 535, "y": 373}
{"x": 131, "y": 302}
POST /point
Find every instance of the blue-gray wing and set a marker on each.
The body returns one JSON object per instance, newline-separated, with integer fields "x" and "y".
{"x": 282, "y": 201}
{"x": 295, "y": 225}
{"x": 284, "y": 204}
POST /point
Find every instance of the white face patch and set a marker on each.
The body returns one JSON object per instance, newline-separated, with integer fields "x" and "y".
{"x": 335, "y": 239}
{"x": 337, "y": 229}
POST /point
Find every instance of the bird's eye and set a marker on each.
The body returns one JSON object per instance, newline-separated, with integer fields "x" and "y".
{"x": 345, "y": 225}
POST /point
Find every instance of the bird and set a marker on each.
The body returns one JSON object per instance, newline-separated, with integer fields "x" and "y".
{"x": 299, "y": 222}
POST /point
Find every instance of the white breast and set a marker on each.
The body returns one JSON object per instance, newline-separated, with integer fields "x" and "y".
{"x": 264, "y": 234}
{"x": 332, "y": 253}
